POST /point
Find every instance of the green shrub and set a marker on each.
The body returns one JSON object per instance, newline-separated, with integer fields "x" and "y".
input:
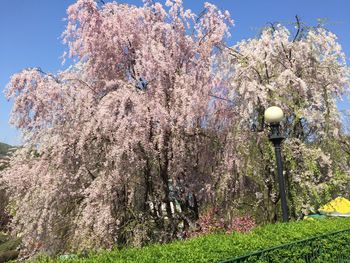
{"x": 216, "y": 247}
{"x": 8, "y": 247}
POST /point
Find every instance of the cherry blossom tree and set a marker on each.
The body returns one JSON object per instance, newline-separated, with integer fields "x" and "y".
{"x": 304, "y": 74}
{"x": 116, "y": 146}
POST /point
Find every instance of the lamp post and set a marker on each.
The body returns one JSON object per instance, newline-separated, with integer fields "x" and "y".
{"x": 273, "y": 117}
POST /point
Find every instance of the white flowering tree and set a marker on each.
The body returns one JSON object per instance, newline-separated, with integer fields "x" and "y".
{"x": 305, "y": 74}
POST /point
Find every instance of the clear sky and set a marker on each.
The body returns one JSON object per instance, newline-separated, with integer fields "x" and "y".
{"x": 30, "y": 32}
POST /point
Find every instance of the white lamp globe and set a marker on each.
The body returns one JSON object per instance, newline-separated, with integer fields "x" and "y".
{"x": 273, "y": 114}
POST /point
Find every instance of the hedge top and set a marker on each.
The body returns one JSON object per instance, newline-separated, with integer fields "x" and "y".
{"x": 220, "y": 246}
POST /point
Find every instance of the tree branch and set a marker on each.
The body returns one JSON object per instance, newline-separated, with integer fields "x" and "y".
{"x": 298, "y": 28}
{"x": 221, "y": 98}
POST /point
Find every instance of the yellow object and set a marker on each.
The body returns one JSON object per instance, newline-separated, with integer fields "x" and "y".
{"x": 339, "y": 205}
{"x": 308, "y": 218}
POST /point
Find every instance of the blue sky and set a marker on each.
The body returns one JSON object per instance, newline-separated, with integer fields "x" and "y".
{"x": 30, "y": 32}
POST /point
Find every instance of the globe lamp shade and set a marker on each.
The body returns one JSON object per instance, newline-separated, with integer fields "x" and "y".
{"x": 273, "y": 115}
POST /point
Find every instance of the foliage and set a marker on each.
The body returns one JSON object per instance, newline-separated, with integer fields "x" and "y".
{"x": 208, "y": 222}
{"x": 5, "y": 152}
{"x": 4, "y": 148}
{"x": 242, "y": 224}
{"x": 5, "y": 217}
{"x": 211, "y": 221}
{"x": 215, "y": 247}
{"x": 8, "y": 248}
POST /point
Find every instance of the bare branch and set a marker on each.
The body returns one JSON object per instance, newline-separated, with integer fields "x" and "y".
{"x": 298, "y": 28}
{"x": 82, "y": 82}
{"x": 221, "y": 98}
{"x": 49, "y": 75}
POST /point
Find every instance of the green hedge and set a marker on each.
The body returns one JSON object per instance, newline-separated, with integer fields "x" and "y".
{"x": 330, "y": 247}
{"x": 217, "y": 247}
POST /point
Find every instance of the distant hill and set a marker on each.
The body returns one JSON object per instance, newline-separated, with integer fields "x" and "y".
{"x": 4, "y": 148}
{"x": 5, "y": 151}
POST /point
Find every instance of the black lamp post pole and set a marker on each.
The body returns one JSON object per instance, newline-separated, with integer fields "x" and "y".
{"x": 277, "y": 139}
